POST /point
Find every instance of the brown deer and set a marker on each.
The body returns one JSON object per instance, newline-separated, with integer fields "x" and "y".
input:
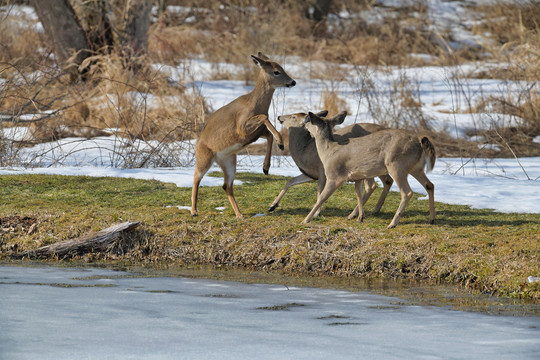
{"x": 394, "y": 152}
{"x": 304, "y": 153}
{"x": 236, "y": 125}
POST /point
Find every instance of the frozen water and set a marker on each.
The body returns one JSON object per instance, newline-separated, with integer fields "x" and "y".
{"x": 59, "y": 313}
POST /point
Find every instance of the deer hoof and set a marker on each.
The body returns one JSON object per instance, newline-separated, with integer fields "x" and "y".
{"x": 265, "y": 171}
{"x": 272, "y": 208}
{"x": 432, "y": 221}
{"x": 281, "y": 147}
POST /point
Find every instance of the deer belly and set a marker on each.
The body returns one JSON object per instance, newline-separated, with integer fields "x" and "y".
{"x": 231, "y": 150}
{"x": 363, "y": 172}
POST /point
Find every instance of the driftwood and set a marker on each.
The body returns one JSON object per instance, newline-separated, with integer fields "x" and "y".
{"x": 100, "y": 241}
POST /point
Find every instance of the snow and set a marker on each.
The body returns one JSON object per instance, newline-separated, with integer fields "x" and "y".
{"x": 63, "y": 313}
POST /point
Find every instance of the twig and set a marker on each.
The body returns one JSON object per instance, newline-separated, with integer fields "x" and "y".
{"x": 514, "y": 154}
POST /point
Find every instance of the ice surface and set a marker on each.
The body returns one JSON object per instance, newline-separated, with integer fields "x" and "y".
{"x": 63, "y": 313}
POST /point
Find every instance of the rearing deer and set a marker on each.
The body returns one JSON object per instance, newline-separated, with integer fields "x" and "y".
{"x": 304, "y": 153}
{"x": 236, "y": 125}
{"x": 394, "y": 152}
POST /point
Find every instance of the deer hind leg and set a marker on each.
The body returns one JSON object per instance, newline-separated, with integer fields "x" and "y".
{"x": 400, "y": 178}
{"x": 204, "y": 160}
{"x": 387, "y": 184}
{"x": 430, "y": 189}
{"x": 361, "y": 201}
{"x": 228, "y": 165}
{"x": 329, "y": 189}
{"x": 369, "y": 185}
{"x": 300, "y": 179}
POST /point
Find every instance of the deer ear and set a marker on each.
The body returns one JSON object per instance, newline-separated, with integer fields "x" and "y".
{"x": 258, "y": 61}
{"x": 262, "y": 56}
{"x": 322, "y": 113}
{"x": 339, "y": 118}
{"x": 308, "y": 118}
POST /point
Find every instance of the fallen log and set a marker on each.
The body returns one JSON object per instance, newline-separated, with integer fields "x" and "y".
{"x": 102, "y": 240}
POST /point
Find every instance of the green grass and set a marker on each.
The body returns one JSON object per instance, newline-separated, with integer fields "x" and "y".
{"x": 479, "y": 249}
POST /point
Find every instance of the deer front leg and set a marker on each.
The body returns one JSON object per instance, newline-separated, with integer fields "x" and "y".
{"x": 254, "y": 123}
{"x": 329, "y": 189}
{"x": 268, "y": 154}
{"x": 321, "y": 183}
{"x": 300, "y": 179}
{"x": 274, "y": 132}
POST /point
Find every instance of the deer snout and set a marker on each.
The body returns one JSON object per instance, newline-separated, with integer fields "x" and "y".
{"x": 291, "y": 84}
{"x": 280, "y": 119}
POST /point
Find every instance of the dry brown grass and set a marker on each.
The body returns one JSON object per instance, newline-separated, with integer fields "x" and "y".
{"x": 511, "y": 24}
{"x": 18, "y": 38}
{"x": 333, "y": 103}
{"x": 283, "y": 28}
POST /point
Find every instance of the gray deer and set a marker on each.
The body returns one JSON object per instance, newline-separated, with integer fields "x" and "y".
{"x": 393, "y": 152}
{"x": 304, "y": 153}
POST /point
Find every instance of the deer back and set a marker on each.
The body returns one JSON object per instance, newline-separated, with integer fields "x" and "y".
{"x": 371, "y": 155}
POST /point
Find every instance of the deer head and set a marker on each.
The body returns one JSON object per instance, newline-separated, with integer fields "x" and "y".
{"x": 315, "y": 123}
{"x": 273, "y": 72}
{"x": 297, "y": 120}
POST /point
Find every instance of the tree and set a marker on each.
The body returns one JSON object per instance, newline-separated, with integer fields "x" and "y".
{"x": 81, "y": 29}
{"x": 135, "y": 31}
{"x": 62, "y": 26}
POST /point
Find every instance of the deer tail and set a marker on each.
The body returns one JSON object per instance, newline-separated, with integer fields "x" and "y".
{"x": 429, "y": 150}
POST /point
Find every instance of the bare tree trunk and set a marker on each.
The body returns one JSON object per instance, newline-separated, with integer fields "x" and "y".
{"x": 64, "y": 30}
{"x": 94, "y": 19}
{"x": 86, "y": 30}
{"x": 136, "y": 25}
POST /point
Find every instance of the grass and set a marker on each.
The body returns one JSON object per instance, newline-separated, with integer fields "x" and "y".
{"x": 481, "y": 250}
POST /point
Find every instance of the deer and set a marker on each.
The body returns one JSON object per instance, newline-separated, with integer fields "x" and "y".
{"x": 393, "y": 152}
{"x": 234, "y": 126}
{"x": 304, "y": 153}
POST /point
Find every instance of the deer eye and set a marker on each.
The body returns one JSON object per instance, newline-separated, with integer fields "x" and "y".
{"x": 277, "y": 73}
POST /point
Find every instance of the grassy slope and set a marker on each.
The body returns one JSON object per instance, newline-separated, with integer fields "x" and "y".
{"x": 480, "y": 249}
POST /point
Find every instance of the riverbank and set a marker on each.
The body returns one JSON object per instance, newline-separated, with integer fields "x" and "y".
{"x": 480, "y": 250}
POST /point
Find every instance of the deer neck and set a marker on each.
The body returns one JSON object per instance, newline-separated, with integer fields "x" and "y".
{"x": 299, "y": 140}
{"x": 325, "y": 142}
{"x": 261, "y": 95}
